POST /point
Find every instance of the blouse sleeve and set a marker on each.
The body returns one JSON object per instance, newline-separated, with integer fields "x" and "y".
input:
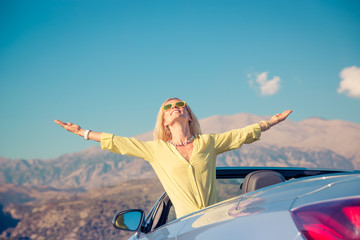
{"x": 236, "y": 138}
{"x": 127, "y": 146}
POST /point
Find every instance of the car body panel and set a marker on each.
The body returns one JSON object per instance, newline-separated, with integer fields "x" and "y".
{"x": 338, "y": 187}
{"x": 171, "y": 231}
{"x": 262, "y": 214}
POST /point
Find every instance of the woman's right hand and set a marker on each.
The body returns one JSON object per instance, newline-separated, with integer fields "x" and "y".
{"x": 74, "y": 128}
{"x": 277, "y": 118}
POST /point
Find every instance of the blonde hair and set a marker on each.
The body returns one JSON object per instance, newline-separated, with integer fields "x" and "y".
{"x": 163, "y": 133}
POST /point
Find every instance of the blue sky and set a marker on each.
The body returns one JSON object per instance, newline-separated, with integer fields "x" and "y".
{"x": 108, "y": 65}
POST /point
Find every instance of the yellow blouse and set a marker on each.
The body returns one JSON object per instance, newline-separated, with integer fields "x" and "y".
{"x": 191, "y": 185}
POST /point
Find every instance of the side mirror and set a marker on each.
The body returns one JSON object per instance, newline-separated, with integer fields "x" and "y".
{"x": 129, "y": 220}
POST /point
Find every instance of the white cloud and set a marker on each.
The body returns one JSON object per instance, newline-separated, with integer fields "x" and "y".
{"x": 266, "y": 86}
{"x": 350, "y": 82}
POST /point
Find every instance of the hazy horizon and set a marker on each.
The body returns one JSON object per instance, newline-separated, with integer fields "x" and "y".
{"x": 207, "y": 126}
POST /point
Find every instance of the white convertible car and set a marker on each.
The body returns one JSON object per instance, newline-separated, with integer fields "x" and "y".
{"x": 273, "y": 203}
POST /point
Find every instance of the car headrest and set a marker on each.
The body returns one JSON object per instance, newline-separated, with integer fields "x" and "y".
{"x": 259, "y": 179}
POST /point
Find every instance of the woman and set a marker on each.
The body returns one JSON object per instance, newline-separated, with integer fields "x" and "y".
{"x": 182, "y": 157}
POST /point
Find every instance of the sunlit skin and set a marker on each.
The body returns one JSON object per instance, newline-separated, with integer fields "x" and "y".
{"x": 74, "y": 128}
{"x": 177, "y": 119}
{"x": 173, "y": 137}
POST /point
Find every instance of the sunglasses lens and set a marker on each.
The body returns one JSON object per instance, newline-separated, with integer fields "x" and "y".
{"x": 180, "y": 104}
{"x": 167, "y": 107}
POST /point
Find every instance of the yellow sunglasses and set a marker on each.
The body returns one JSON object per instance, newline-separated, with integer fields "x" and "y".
{"x": 180, "y": 104}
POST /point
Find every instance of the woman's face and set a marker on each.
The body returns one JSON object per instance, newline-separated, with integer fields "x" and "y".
{"x": 175, "y": 113}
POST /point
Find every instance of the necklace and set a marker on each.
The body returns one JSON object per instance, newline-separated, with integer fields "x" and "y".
{"x": 183, "y": 144}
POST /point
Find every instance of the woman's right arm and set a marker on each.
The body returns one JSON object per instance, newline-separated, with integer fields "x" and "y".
{"x": 76, "y": 129}
{"x": 115, "y": 144}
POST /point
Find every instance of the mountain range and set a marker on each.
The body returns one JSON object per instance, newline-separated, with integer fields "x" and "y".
{"x": 312, "y": 143}
{"x": 76, "y": 195}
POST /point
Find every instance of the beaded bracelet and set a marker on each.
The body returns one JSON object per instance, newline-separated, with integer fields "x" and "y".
{"x": 267, "y": 124}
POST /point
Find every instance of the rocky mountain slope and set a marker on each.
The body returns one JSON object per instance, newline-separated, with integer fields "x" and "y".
{"x": 66, "y": 215}
{"x": 310, "y": 143}
{"x": 76, "y": 195}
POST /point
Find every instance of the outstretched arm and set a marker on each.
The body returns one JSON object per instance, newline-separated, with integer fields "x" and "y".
{"x": 76, "y": 129}
{"x": 277, "y": 118}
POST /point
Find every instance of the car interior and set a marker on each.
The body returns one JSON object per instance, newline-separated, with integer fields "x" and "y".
{"x": 253, "y": 181}
{"x": 259, "y": 179}
{"x": 160, "y": 214}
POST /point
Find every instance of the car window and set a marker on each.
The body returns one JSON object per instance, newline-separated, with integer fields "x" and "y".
{"x": 172, "y": 215}
{"x": 228, "y": 188}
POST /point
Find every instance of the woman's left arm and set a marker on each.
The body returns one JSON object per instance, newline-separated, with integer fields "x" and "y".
{"x": 277, "y": 118}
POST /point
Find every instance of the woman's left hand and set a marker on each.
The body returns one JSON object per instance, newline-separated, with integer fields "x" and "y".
{"x": 279, "y": 117}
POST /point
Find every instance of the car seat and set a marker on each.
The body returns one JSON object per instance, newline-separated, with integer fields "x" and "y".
{"x": 159, "y": 216}
{"x": 259, "y": 179}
